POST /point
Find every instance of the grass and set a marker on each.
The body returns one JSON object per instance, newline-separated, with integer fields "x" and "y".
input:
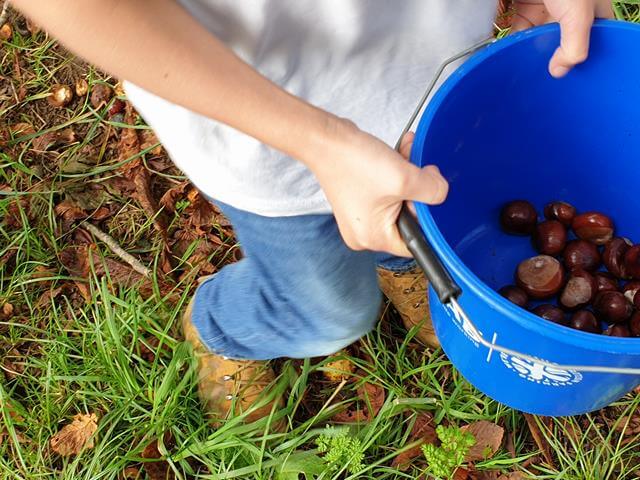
{"x": 119, "y": 354}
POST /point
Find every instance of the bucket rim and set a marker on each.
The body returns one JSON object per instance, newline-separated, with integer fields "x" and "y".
{"x": 523, "y": 318}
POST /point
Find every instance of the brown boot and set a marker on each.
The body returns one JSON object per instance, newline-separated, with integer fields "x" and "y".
{"x": 225, "y": 384}
{"x": 407, "y": 291}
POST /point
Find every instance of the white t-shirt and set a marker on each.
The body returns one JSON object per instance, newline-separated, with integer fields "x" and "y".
{"x": 366, "y": 60}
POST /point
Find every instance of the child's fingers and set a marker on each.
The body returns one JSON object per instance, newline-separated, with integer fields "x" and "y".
{"x": 426, "y": 185}
{"x": 405, "y": 144}
{"x": 575, "y": 28}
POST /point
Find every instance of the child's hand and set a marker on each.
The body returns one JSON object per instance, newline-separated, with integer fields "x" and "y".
{"x": 575, "y": 18}
{"x": 366, "y": 183}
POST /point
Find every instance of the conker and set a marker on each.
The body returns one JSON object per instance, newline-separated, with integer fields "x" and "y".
{"x": 540, "y": 277}
{"x": 514, "y": 295}
{"x": 551, "y": 313}
{"x": 60, "y": 95}
{"x": 585, "y": 321}
{"x": 605, "y": 282}
{"x": 634, "y": 324}
{"x": 618, "y": 330}
{"x": 560, "y": 211}
{"x": 613, "y": 256}
{"x": 594, "y": 227}
{"x": 613, "y": 307}
{"x": 82, "y": 87}
{"x": 581, "y": 255}
{"x": 518, "y": 217}
{"x": 632, "y": 262}
{"x": 550, "y": 237}
{"x": 630, "y": 289}
{"x": 579, "y": 290}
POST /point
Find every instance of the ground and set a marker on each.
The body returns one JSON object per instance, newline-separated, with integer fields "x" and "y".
{"x": 101, "y": 241}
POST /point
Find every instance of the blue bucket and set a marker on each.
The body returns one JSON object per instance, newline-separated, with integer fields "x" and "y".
{"x": 501, "y": 128}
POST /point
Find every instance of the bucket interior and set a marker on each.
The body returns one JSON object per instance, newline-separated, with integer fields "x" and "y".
{"x": 502, "y": 129}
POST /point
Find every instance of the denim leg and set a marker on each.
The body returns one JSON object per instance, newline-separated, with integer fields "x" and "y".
{"x": 395, "y": 264}
{"x": 298, "y": 292}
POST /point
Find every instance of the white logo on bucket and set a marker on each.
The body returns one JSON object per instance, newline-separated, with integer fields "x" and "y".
{"x": 464, "y": 325}
{"x": 539, "y": 373}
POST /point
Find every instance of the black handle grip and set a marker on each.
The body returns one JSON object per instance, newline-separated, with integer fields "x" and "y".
{"x": 423, "y": 252}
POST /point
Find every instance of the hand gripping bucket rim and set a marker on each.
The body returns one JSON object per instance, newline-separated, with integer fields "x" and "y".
{"x": 447, "y": 255}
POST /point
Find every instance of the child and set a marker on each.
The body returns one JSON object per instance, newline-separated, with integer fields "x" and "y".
{"x": 254, "y": 101}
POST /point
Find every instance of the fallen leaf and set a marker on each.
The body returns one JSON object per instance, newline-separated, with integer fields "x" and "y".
{"x": 488, "y": 437}
{"x": 76, "y": 436}
{"x": 460, "y": 474}
{"x": 128, "y": 143}
{"x": 339, "y": 369}
{"x": 510, "y": 446}
{"x": 156, "y": 470}
{"x": 505, "y": 14}
{"x": 171, "y": 196}
{"x": 149, "y": 139}
{"x": 200, "y": 210}
{"x": 6, "y": 312}
{"x": 485, "y": 475}
{"x": 101, "y": 213}
{"x": 374, "y": 396}
{"x": 49, "y": 140}
{"x": 512, "y": 476}
{"x": 69, "y": 212}
{"x": 6, "y": 31}
{"x": 33, "y": 28}
{"x": 423, "y": 429}
{"x": 131, "y": 473}
{"x": 21, "y": 129}
{"x": 100, "y": 95}
{"x": 539, "y": 437}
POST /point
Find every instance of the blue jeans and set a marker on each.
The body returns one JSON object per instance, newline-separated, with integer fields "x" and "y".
{"x": 298, "y": 292}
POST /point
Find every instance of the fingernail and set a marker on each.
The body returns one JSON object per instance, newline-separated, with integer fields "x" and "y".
{"x": 559, "y": 71}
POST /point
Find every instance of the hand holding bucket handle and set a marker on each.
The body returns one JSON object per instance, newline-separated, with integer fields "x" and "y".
{"x": 441, "y": 281}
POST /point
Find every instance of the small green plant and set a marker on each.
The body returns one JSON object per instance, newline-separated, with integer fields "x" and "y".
{"x": 341, "y": 450}
{"x": 444, "y": 460}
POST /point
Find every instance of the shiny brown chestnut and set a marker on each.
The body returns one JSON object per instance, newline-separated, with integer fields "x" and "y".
{"x": 630, "y": 289}
{"x": 514, "y": 295}
{"x": 613, "y": 256}
{"x": 579, "y": 290}
{"x": 550, "y": 237}
{"x": 632, "y": 262}
{"x": 618, "y": 330}
{"x": 605, "y": 282}
{"x": 560, "y": 211}
{"x": 613, "y": 307}
{"x": 585, "y": 321}
{"x": 518, "y": 217}
{"x": 594, "y": 227}
{"x": 551, "y": 313}
{"x": 582, "y": 255}
{"x": 636, "y": 301}
{"x": 634, "y": 324}
{"x": 540, "y": 277}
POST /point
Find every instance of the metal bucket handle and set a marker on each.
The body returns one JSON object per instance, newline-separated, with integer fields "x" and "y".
{"x": 444, "y": 285}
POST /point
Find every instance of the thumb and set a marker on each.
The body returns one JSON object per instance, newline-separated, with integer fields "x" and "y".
{"x": 575, "y": 30}
{"x": 425, "y": 185}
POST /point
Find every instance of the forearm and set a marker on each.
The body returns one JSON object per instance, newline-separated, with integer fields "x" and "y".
{"x": 160, "y": 47}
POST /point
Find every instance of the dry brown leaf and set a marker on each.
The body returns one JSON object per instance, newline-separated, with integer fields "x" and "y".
{"x": 6, "y": 31}
{"x": 76, "y": 436}
{"x": 6, "y": 312}
{"x": 485, "y": 475}
{"x": 539, "y": 437}
{"x": 512, "y": 476}
{"x": 149, "y": 139}
{"x": 102, "y": 213}
{"x": 488, "y": 437}
{"x": 51, "y": 139}
{"x": 131, "y": 473}
{"x": 460, "y": 474}
{"x": 423, "y": 429}
{"x": 129, "y": 143}
{"x": 33, "y": 28}
{"x": 201, "y": 211}
{"x": 373, "y": 395}
{"x": 157, "y": 470}
{"x": 339, "y": 369}
{"x": 22, "y": 129}
{"x": 69, "y": 212}
{"x": 171, "y": 196}
{"x": 100, "y": 95}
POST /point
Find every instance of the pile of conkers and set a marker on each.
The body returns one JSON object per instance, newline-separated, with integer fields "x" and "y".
{"x": 570, "y": 270}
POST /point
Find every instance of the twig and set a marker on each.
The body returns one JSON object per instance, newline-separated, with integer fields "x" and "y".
{"x": 5, "y": 12}
{"x": 117, "y": 249}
